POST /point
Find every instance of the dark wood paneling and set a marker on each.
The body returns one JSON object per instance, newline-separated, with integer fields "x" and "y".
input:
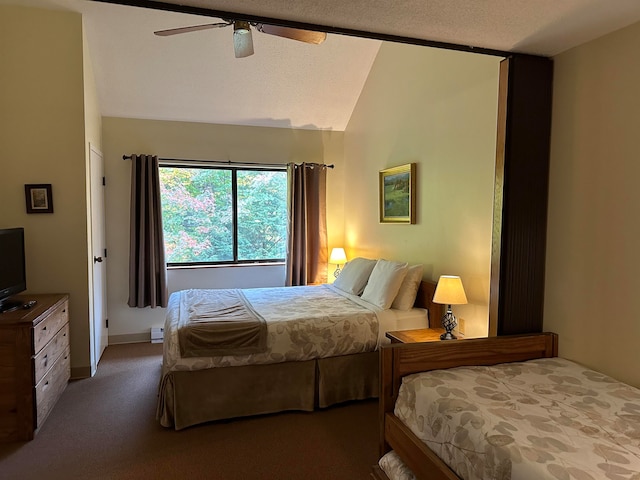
{"x": 521, "y": 190}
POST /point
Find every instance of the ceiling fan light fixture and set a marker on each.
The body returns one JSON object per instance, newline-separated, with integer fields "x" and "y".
{"x": 241, "y": 27}
{"x": 242, "y": 39}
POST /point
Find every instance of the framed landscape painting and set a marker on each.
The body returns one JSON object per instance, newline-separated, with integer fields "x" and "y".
{"x": 397, "y": 194}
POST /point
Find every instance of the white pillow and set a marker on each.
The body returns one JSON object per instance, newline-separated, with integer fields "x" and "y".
{"x": 354, "y": 275}
{"x": 384, "y": 283}
{"x": 409, "y": 289}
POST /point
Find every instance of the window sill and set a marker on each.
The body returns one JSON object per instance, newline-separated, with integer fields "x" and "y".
{"x": 226, "y": 265}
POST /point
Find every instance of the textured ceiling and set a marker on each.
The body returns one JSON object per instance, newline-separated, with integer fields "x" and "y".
{"x": 540, "y": 27}
{"x": 195, "y": 76}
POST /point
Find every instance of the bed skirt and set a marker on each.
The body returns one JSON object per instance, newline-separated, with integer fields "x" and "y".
{"x": 191, "y": 397}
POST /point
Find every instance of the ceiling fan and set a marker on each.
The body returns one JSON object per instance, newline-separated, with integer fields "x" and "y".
{"x": 242, "y": 39}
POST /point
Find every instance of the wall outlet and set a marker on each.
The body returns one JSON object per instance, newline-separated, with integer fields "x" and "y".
{"x": 461, "y": 326}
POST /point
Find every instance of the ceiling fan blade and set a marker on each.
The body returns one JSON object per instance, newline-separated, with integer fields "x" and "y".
{"x": 242, "y": 39}
{"x": 193, "y": 28}
{"x": 308, "y": 36}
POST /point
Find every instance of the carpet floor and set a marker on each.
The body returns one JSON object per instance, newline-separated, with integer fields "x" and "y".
{"x": 105, "y": 428}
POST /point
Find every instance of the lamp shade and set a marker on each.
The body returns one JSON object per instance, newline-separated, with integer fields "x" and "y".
{"x": 449, "y": 291}
{"x": 338, "y": 257}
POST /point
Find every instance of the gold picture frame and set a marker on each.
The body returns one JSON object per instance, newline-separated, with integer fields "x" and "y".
{"x": 397, "y": 193}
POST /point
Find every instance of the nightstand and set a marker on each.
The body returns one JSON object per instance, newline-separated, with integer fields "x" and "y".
{"x": 418, "y": 335}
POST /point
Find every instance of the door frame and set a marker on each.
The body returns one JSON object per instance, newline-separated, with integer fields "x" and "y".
{"x": 98, "y": 328}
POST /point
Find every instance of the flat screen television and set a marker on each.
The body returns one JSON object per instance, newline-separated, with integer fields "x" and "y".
{"x": 13, "y": 277}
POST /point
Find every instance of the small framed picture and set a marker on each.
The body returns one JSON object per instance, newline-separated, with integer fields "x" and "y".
{"x": 397, "y": 194}
{"x": 39, "y": 198}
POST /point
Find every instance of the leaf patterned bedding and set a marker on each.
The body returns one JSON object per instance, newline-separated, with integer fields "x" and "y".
{"x": 542, "y": 419}
{"x": 303, "y": 323}
{"x": 393, "y": 466}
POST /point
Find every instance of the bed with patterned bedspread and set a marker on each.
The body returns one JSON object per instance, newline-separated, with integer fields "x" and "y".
{"x": 321, "y": 346}
{"x": 547, "y": 418}
{"x": 302, "y": 323}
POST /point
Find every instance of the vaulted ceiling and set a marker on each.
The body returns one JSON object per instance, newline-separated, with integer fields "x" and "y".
{"x": 195, "y": 76}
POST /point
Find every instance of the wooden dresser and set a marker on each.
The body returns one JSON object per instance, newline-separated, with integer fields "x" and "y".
{"x": 35, "y": 364}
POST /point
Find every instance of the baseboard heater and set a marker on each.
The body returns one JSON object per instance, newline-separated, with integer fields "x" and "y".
{"x": 157, "y": 334}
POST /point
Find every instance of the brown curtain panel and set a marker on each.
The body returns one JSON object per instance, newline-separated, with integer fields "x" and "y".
{"x": 147, "y": 267}
{"x": 307, "y": 224}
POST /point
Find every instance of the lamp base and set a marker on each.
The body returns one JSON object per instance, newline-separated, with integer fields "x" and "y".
{"x": 448, "y": 336}
{"x": 449, "y": 323}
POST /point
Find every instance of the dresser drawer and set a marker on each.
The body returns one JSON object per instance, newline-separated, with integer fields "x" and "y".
{"x": 51, "y": 352}
{"x": 47, "y": 328}
{"x": 51, "y": 386}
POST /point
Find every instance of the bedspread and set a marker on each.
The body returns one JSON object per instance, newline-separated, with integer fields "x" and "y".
{"x": 303, "y": 323}
{"x": 394, "y": 467}
{"x": 219, "y": 322}
{"x": 546, "y": 418}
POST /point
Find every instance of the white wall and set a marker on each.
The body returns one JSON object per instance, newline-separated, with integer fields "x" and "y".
{"x": 591, "y": 299}
{"x": 42, "y": 140}
{"x": 436, "y": 108}
{"x": 205, "y": 142}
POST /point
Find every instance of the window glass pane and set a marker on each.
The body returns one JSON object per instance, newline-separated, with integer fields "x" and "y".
{"x": 197, "y": 214}
{"x": 262, "y": 214}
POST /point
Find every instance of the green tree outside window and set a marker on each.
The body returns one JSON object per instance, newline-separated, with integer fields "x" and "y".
{"x": 198, "y": 214}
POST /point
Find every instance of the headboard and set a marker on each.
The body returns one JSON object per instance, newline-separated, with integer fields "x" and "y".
{"x": 424, "y": 299}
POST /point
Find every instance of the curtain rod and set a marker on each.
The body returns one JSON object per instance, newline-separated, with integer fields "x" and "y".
{"x": 225, "y": 162}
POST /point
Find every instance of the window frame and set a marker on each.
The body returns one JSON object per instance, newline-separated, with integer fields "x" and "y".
{"x": 234, "y": 169}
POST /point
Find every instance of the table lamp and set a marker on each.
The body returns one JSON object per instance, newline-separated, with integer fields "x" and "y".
{"x": 449, "y": 291}
{"x": 337, "y": 257}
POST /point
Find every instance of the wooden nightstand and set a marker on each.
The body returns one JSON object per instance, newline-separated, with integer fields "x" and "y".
{"x": 418, "y": 335}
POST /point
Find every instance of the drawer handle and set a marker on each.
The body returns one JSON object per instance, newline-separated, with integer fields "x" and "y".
{"x": 46, "y": 360}
{"x": 45, "y": 386}
{"x": 44, "y": 328}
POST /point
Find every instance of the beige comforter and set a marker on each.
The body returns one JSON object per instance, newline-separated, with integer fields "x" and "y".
{"x": 542, "y": 419}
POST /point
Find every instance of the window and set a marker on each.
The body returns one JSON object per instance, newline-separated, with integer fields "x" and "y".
{"x": 217, "y": 215}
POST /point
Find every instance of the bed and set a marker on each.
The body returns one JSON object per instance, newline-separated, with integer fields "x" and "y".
{"x": 502, "y": 408}
{"x": 321, "y": 348}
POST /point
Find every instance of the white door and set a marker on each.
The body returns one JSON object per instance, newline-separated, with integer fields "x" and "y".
{"x": 100, "y": 334}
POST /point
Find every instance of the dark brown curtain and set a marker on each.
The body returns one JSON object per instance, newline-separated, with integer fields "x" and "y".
{"x": 147, "y": 267}
{"x": 307, "y": 225}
